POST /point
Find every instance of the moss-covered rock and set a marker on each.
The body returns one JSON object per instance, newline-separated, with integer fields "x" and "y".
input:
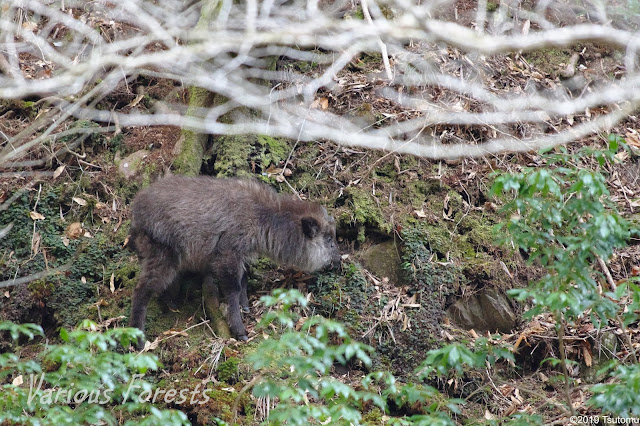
{"x": 383, "y": 260}
{"x": 362, "y": 212}
{"x": 91, "y": 258}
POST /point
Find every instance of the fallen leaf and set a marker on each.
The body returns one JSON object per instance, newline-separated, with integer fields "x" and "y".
{"x": 74, "y": 230}
{"x": 488, "y": 415}
{"x": 112, "y": 285}
{"x": 173, "y": 332}
{"x": 405, "y": 323}
{"x": 149, "y": 346}
{"x": 35, "y": 243}
{"x": 36, "y": 216}
{"x": 322, "y": 103}
{"x": 588, "y": 361}
{"x": 83, "y": 280}
{"x": 621, "y": 156}
{"x": 17, "y": 381}
{"x": 447, "y": 211}
{"x": 65, "y": 240}
{"x": 632, "y": 138}
{"x": 272, "y": 170}
{"x": 58, "y": 171}
{"x": 136, "y": 101}
{"x": 80, "y": 201}
{"x": 7, "y": 294}
{"x": 29, "y": 26}
{"x": 420, "y": 213}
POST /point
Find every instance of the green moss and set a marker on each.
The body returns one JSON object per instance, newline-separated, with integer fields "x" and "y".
{"x": 84, "y": 183}
{"x": 303, "y": 66}
{"x": 148, "y": 173}
{"x": 272, "y": 151}
{"x": 127, "y": 274}
{"x": 90, "y": 261}
{"x": 386, "y": 173}
{"x": 363, "y": 212}
{"x": 189, "y": 159}
{"x": 345, "y": 296}
{"x": 416, "y": 192}
{"x": 232, "y": 155}
{"x": 373, "y": 417}
{"x": 478, "y": 230}
{"x": 549, "y": 60}
{"x": 228, "y": 370}
{"x": 409, "y": 162}
{"x": 221, "y": 403}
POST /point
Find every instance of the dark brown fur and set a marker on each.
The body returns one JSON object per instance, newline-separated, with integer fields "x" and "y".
{"x": 217, "y": 226}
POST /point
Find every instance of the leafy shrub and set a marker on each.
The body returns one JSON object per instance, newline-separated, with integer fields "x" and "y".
{"x": 563, "y": 218}
{"x": 295, "y": 369}
{"x": 83, "y": 380}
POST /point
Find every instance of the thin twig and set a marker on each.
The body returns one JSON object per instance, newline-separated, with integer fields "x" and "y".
{"x": 605, "y": 270}
{"x": 563, "y": 362}
{"x": 244, "y": 389}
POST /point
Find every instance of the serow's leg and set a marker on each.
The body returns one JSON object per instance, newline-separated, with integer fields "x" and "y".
{"x": 154, "y": 278}
{"x": 171, "y": 295}
{"x": 230, "y": 273}
{"x": 244, "y": 299}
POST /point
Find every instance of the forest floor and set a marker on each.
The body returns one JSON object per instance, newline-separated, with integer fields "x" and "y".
{"x": 418, "y": 235}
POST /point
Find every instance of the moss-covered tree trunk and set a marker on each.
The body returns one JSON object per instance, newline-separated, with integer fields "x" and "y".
{"x": 193, "y": 144}
{"x": 189, "y": 162}
{"x": 189, "y": 159}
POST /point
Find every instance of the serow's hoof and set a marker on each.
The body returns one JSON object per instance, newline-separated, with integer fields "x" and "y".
{"x": 245, "y": 309}
{"x": 140, "y": 344}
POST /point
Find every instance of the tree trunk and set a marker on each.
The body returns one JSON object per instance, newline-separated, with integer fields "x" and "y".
{"x": 189, "y": 162}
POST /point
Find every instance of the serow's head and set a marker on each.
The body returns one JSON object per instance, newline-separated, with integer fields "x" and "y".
{"x": 321, "y": 247}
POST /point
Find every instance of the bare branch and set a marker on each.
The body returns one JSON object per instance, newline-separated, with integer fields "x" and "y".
{"x": 103, "y": 46}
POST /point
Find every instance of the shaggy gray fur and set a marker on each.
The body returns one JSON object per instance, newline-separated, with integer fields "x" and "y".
{"x": 216, "y": 226}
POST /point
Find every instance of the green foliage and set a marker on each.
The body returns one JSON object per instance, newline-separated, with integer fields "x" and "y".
{"x": 620, "y": 396}
{"x": 295, "y": 369}
{"x": 562, "y": 217}
{"x": 299, "y": 363}
{"x": 80, "y": 381}
{"x": 455, "y": 357}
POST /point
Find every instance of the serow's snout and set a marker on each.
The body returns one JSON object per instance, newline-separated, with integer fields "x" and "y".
{"x": 336, "y": 261}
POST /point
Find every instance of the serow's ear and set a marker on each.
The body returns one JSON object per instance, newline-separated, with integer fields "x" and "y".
{"x": 310, "y": 227}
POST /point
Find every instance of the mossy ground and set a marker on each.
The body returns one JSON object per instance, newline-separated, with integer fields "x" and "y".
{"x": 440, "y": 237}
{"x": 438, "y": 253}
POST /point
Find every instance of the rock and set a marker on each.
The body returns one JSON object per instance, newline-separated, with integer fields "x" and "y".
{"x": 130, "y": 165}
{"x": 487, "y": 310}
{"x": 383, "y": 260}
